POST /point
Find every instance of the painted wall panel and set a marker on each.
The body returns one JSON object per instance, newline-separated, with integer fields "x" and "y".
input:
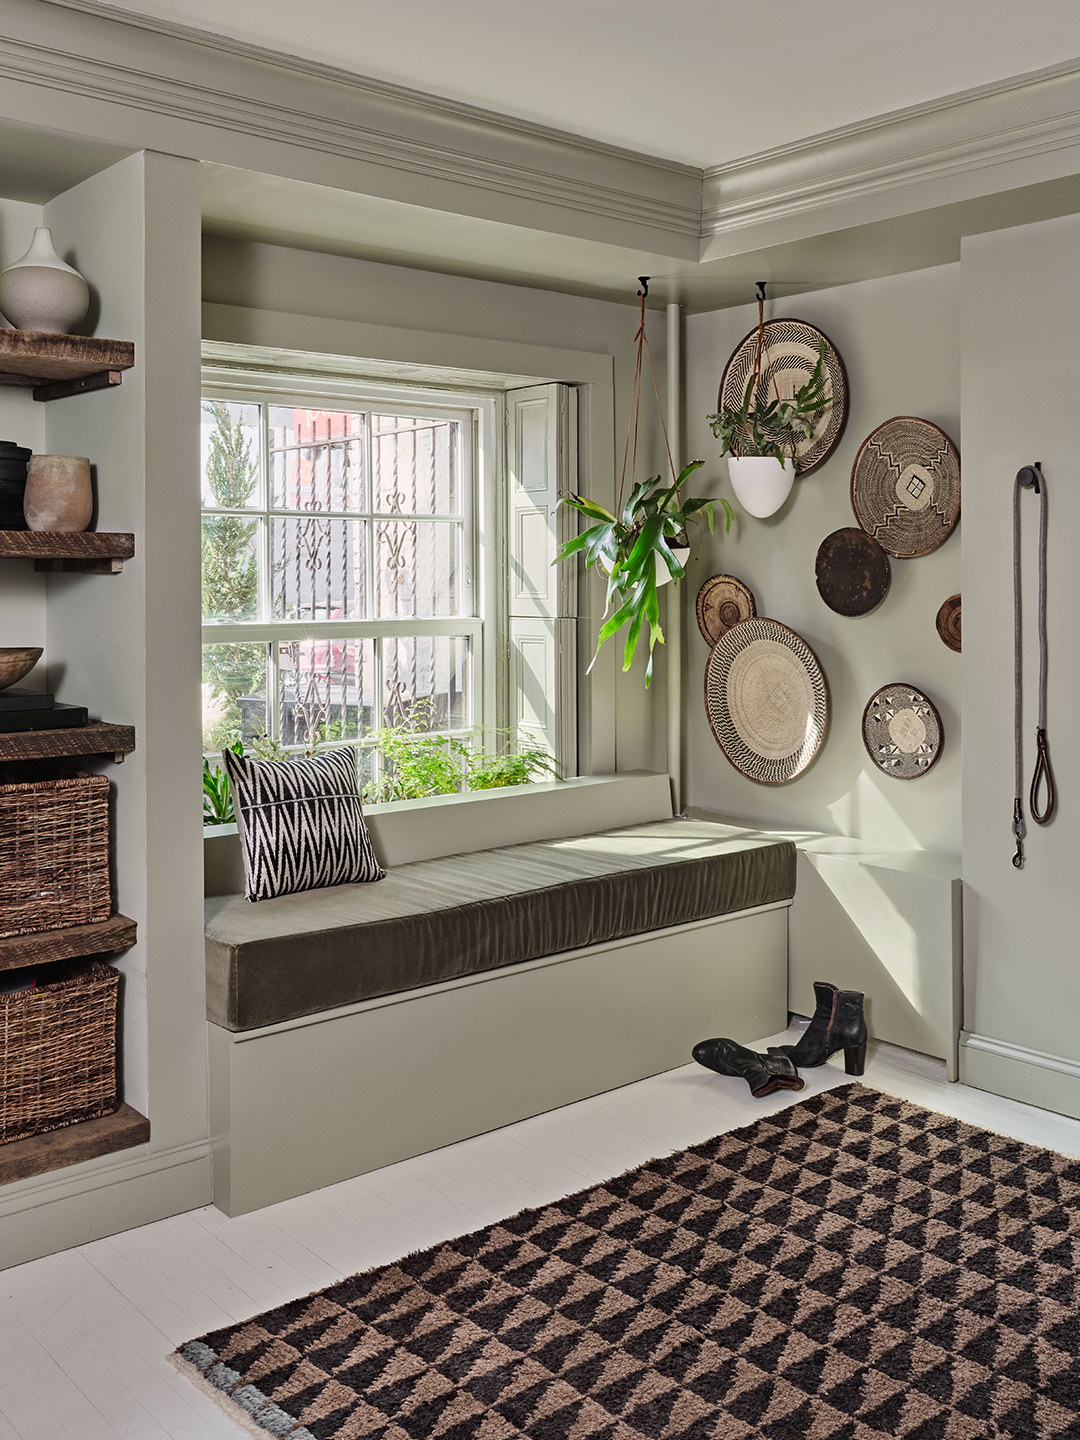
{"x": 1020, "y": 311}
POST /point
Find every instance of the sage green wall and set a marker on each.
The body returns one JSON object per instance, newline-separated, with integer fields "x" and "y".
{"x": 271, "y": 278}
{"x": 1022, "y": 983}
{"x": 899, "y": 338}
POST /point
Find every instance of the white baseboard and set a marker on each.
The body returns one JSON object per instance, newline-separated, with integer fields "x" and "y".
{"x": 80, "y": 1203}
{"x": 1050, "y": 1081}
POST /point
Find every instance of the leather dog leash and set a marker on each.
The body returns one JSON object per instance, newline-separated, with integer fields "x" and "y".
{"x": 1030, "y": 477}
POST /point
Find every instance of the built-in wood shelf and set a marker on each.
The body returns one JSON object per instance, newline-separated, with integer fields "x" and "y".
{"x": 103, "y": 937}
{"x": 39, "y": 1153}
{"x": 54, "y": 366}
{"x": 90, "y": 552}
{"x": 99, "y": 737}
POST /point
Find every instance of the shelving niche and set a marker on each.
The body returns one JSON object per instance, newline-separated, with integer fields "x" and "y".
{"x": 53, "y": 367}
{"x": 127, "y": 649}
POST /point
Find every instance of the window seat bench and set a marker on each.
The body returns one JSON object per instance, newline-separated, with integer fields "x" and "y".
{"x": 358, "y": 1025}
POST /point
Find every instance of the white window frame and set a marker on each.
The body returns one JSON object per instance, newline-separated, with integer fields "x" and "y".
{"x": 483, "y": 599}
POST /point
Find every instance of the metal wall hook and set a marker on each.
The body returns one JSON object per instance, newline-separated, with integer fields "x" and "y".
{"x": 1030, "y": 476}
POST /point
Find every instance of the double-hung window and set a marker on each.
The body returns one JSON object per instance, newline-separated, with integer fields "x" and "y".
{"x": 344, "y": 584}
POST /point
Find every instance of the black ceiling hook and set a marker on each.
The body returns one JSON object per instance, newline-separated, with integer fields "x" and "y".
{"x": 643, "y": 281}
{"x": 761, "y": 288}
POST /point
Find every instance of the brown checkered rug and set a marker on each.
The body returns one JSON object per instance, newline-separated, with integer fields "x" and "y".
{"x": 849, "y": 1268}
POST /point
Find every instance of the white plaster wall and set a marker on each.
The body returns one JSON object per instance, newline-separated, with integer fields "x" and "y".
{"x": 899, "y": 339}
{"x": 1020, "y": 310}
{"x": 271, "y": 278}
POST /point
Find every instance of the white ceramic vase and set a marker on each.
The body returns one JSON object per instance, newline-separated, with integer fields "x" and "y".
{"x": 59, "y": 494}
{"x": 41, "y": 292}
{"x": 761, "y": 483}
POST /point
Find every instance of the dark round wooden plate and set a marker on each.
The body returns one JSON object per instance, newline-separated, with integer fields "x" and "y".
{"x": 905, "y": 486}
{"x": 852, "y": 572}
{"x": 793, "y": 347}
{"x": 723, "y": 602}
{"x": 902, "y": 731}
{"x": 948, "y": 622}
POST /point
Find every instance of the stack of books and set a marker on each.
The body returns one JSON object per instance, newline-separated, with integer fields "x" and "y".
{"x": 30, "y": 710}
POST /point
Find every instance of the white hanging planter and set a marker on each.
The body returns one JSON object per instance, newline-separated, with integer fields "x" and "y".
{"x": 663, "y": 574}
{"x": 761, "y": 482}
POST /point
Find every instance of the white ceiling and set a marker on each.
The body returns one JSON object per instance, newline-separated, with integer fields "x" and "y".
{"x": 698, "y": 81}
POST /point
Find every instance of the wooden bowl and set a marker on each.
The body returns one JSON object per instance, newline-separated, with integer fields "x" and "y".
{"x": 17, "y": 661}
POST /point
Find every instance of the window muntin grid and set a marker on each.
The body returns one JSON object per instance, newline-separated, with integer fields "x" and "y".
{"x": 352, "y": 576}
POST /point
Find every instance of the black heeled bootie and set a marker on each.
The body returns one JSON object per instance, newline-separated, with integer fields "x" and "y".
{"x": 837, "y": 1024}
{"x": 763, "y": 1073}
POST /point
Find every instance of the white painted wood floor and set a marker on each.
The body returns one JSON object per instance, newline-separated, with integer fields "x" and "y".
{"x": 84, "y": 1334}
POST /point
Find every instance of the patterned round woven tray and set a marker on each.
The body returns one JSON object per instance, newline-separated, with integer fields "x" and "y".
{"x": 723, "y": 602}
{"x": 902, "y": 731}
{"x": 766, "y": 699}
{"x": 905, "y": 486}
{"x": 792, "y": 348}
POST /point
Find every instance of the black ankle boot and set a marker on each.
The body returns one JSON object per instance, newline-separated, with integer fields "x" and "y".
{"x": 763, "y": 1073}
{"x": 837, "y": 1024}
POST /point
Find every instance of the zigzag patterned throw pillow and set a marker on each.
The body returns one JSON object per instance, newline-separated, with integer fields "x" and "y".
{"x": 300, "y": 822}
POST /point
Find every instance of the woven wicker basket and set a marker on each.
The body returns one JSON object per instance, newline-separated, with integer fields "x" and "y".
{"x": 58, "y": 1053}
{"x": 54, "y": 854}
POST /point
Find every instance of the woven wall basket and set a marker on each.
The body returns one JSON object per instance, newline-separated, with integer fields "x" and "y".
{"x": 766, "y": 699}
{"x": 54, "y": 854}
{"x": 58, "y": 1053}
{"x": 792, "y": 348}
{"x": 905, "y": 486}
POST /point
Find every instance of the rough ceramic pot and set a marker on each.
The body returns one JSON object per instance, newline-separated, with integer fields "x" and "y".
{"x": 761, "y": 483}
{"x": 59, "y": 495}
{"x": 40, "y": 292}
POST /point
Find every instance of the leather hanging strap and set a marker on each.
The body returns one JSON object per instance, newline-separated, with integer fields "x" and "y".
{"x": 1030, "y": 476}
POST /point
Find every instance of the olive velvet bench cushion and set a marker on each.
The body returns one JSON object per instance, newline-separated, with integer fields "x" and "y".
{"x": 436, "y": 920}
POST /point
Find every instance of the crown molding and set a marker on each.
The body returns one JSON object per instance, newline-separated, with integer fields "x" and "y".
{"x": 239, "y": 104}
{"x": 113, "y": 55}
{"x": 421, "y": 99}
{"x": 963, "y": 138}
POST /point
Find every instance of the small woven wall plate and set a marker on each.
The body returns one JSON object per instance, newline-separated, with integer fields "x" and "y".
{"x": 852, "y": 572}
{"x": 723, "y": 602}
{"x": 905, "y": 486}
{"x": 948, "y": 622}
{"x": 766, "y": 699}
{"x": 902, "y": 731}
{"x": 793, "y": 347}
